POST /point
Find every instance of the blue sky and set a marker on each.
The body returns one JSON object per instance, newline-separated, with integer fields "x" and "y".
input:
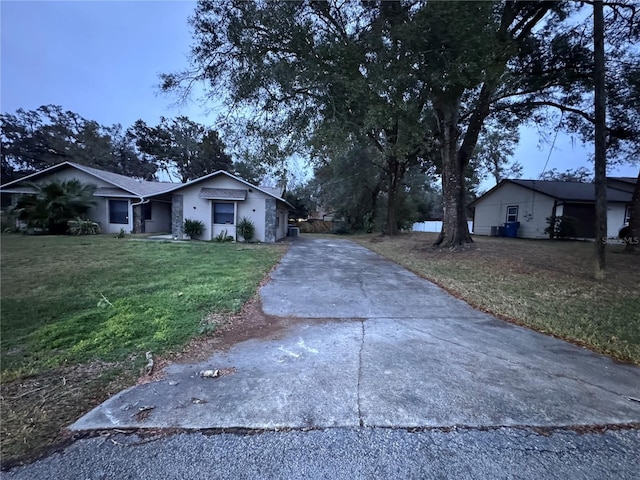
{"x": 101, "y": 59}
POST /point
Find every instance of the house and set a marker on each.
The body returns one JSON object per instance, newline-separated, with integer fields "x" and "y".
{"x": 532, "y": 202}
{"x": 219, "y": 200}
{"x": 123, "y": 202}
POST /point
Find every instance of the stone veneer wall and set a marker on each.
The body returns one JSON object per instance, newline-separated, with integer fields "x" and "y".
{"x": 138, "y": 223}
{"x": 270, "y": 215}
{"x": 177, "y": 220}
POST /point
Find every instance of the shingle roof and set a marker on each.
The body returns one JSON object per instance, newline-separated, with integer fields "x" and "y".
{"x": 572, "y": 191}
{"x": 138, "y": 188}
{"x": 275, "y": 191}
{"x": 111, "y": 192}
{"x": 142, "y": 188}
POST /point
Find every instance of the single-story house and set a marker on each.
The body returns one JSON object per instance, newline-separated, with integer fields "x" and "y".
{"x": 219, "y": 200}
{"x": 532, "y": 202}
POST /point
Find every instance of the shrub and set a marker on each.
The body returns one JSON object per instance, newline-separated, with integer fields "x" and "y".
{"x": 193, "y": 228}
{"x": 53, "y": 204}
{"x": 223, "y": 237}
{"x": 83, "y": 227}
{"x": 246, "y": 229}
{"x": 562, "y": 227}
{"x": 341, "y": 228}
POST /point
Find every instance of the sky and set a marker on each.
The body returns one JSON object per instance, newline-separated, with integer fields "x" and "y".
{"x": 101, "y": 59}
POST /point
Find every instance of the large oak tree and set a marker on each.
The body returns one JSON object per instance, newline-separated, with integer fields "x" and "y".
{"x": 418, "y": 79}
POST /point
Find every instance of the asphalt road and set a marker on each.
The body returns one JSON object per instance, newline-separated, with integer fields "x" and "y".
{"x": 345, "y": 453}
{"x": 383, "y": 375}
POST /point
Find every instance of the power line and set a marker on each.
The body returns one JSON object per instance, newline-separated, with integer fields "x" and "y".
{"x": 544, "y": 169}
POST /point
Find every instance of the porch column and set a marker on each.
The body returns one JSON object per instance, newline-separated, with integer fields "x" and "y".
{"x": 137, "y": 219}
{"x": 270, "y": 214}
{"x": 177, "y": 219}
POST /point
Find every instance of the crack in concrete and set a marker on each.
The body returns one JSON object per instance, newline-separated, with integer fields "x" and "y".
{"x": 360, "y": 419}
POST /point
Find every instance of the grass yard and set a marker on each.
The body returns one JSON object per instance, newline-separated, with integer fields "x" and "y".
{"x": 79, "y": 313}
{"x": 541, "y": 284}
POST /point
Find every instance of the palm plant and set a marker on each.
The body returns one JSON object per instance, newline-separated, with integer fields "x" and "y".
{"x": 55, "y": 203}
{"x": 246, "y": 229}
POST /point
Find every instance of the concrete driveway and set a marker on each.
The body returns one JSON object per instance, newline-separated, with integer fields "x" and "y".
{"x": 375, "y": 345}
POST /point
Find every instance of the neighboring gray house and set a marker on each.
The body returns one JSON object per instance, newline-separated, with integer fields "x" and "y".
{"x": 531, "y": 202}
{"x": 219, "y": 200}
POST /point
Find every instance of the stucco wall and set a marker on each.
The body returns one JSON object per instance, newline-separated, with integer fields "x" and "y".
{"x": 160, "y": 218}
{"x": 283, "y": 215}
{"x": 492, "y": 210}
{"x": 615, "y": 218}
{"x": 100, "y": 212}
{"x": 533, "y": 210}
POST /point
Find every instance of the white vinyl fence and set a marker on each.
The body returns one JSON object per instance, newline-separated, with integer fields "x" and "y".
{"x": 434, "y": 226}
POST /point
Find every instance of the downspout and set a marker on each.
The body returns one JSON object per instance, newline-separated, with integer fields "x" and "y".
{"x": 141, "y": 202}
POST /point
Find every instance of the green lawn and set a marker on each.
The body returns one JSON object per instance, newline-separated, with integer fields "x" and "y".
{"x": 78, "y": 299}
{"x": 544, "y": 285}
{"x": 90, "y": 307}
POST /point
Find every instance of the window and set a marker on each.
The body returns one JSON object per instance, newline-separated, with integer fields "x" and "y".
{"x": 223, "y": 213}
{"x": 119, "y": 212}
{"x": 627, "y": 214}
{"x": 278, "y": 219}
{"x": 512, "y": 213}
{"x": 146, "y": 211}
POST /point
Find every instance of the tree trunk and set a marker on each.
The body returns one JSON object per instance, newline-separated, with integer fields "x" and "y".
{"x": 633, "y": 237}
{"x": 600, "y": 141}
{"x": 392, "y": 195}
{"x": 454, "y": 231}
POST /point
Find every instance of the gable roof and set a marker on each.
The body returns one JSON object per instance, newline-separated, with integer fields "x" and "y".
{"x": 267, "y": 190}
{"x": 565, "y": 191}
{"x": 138, "y": 188}
{"x": 622, "y": 183}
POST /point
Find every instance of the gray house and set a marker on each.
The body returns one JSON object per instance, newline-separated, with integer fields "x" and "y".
{"x": 531, "y": 202}
{"x": 218, "y": 200}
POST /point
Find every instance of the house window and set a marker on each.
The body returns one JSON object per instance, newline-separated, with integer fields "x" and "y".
{"x": 223, "y": 213}
{"x": 512, "y": 213}
{"x": 627, "y": 214}
{"x": 119, "y": 212}
{"x": 146, "y": 211}
{"x": 277, "y": 219}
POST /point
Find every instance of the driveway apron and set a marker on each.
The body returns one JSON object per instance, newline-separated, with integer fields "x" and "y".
{"x": 375, "y": 345}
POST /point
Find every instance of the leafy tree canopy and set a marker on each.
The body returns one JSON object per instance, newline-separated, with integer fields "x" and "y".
{"x": 416, "y": 79}
{"x": 37, "y": 139}
{"x": 581, "y": 174}
{"x": 181, "y": 146}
